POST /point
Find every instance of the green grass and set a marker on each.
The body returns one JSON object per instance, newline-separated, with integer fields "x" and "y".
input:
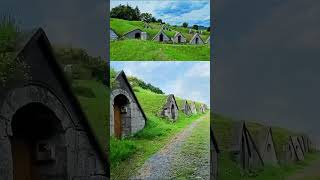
{"x": 130, "y": 153}
{"x": 132, "y": 49}
{"x": 229, "y": 170}
{"x": 151, "y": 50}
{"x": 151, "y": 102}
{"x": 196, "y": 147}
{"x": 96, "y": 107}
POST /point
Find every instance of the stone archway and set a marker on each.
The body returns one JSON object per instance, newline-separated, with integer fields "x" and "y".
{"x": 36, "y": 130}
{"x": 121, "y": 116}
{"x": 125, "y": 118}
{"x": 19, "y": 118}
{"x": 137, "y": 35}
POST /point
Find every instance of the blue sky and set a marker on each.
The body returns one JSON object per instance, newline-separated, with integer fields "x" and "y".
{"x": 174, "y": 12}
{"x": 189, "y": 80}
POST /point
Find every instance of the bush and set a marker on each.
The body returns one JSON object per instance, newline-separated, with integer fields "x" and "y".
{"x": 10, "y": 66}
{"x": 83, "y": 91}
{"x": 120, "y": 150}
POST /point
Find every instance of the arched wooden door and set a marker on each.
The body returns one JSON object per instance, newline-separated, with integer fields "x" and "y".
{"x": 117, "y": 121}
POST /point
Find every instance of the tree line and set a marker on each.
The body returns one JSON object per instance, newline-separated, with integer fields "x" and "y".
{"x": 138, "y": 82}
{"x": 127, "y": 12}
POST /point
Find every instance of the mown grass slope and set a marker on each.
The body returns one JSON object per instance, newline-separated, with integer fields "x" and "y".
{"x": 93, "y": 97}
{"x": 132, "y": 49}
{"x": 128, "y": 49}
{"x": 228, "y": 169}
{"x": 131, "y": 152}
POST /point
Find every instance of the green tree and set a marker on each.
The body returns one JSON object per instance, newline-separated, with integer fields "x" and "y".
{"x": 125, "y": 12}
{"x": 11, "y": 67}
{"x": 196, "y": 27}
{"x": 159, "y": 21}
{"x": 153, "y": 19}
{"x": 208, "y": 29}
{"x": 146, "y": 17}
{"x": 185, "y": 24}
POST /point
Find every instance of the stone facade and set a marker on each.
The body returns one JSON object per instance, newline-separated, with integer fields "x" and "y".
{"x": 243, "y": 149}
{"x": 300, "y": 140}
{"x": 297, "y": 148}
{"x": 193, "y": 107}
{"x": 161, "y": 37}
{"x": 69, "y": 150}
{"x": 202, "y": 108}
{"x": 208, "y": 40}
{"x": 113, "y": 35}
{"x": 170, "y": 108}
{"x": 134, "y": 119}
{"x": 306, "y": 143}
{"x": 134, "y": 34}
{"x": 196, "y": 39}
{"x": 265, "y": 143}
{"x": 179, "y": 38}
{"x": 186, "y": 108}
{"x": 288, "y": 154}
{"x": 144, "y": 36}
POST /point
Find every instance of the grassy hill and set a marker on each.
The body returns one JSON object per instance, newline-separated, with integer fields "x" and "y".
{"x": 135, "y": 50}
{"x": 230, "y": 170}
{"x": 93, "y": 97}
{"x": 131, "y": 152}
{"x": 121, "y": 27}
{"x": 131, "y": 49}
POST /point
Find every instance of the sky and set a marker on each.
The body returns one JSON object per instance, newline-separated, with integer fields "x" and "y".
{"x": 267, "y": 62}
{"x": 75, "y": 23}
{"x": 174, "y": 12}
{"x": 188, "y": 80}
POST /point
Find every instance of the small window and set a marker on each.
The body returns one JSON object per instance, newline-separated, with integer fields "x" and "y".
{"x": 269, "y": 147}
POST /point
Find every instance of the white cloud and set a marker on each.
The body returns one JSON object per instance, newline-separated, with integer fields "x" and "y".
{"x": 153, "y": 6}
{"x": 199, "y": 70}
{"x": 188, "y": 80}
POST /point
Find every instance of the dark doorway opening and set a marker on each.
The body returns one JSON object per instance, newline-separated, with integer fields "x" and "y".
{"x": 173, "y": 113}
{"x": 197, "y": 40}
{"x": 137, "y": 35}
{"x": 120, "y": 101}
{"x": 179, "y": 39}
{"x": 161, "y": 37}
{"x": 31, "y": 125}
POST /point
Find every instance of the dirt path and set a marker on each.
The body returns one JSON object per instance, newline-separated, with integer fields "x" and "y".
{"x": 312, "y": 172}
{"x": 163, "y": 165}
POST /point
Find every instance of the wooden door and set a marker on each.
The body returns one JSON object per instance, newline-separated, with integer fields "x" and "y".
{"x": 22, "y": 159}
{"x": 117, "y": 121}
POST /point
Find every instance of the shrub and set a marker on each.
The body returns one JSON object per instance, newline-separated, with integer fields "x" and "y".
{"x": 83, "y": 91}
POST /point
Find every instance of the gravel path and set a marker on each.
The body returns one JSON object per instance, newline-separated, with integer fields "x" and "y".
{"x": 159, "y": 166}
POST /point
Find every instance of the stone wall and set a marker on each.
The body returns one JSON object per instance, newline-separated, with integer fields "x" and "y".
{"x": 175, "y": 39}
{"x": 133, "y": 121}
{"x": 193, "y": 40}
{"x": 131, "y": 34}
{"x": 75, "y": 157}
{"x": 113, "y": 35}
{"x": 165, "y": 37}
